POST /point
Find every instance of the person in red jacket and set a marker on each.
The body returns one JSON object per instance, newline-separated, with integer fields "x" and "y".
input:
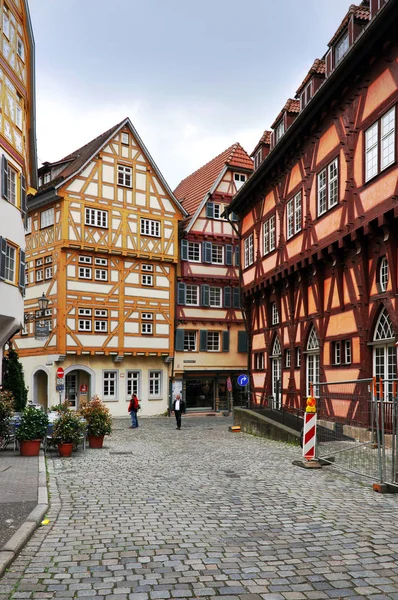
{"x": 133, "y": 409}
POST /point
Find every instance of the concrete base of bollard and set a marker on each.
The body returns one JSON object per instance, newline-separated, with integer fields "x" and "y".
{"x": 307, "y": 464}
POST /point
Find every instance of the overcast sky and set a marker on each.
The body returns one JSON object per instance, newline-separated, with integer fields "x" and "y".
{"x": 194, "y": 76}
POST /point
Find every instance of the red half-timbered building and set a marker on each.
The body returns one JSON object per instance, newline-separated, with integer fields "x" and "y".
{"x": 319, "y": 220}
{"x": 211, "y": 340}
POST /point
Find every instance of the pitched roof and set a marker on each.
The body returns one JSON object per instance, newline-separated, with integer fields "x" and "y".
{"x": 191, "y": 190}
{"x": 318, "y": 68}
{"x": 361, "y": 13}
{"x": 265, "y": 140}
{"x": 291, "y": 106}
{"x": 76, "y": 160}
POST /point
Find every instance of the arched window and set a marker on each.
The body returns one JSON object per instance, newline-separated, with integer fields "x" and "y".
{"x": 276, "y": 373}
{"x": 383, "y": 274}
{"x": 384, "y": 352}
{"x": 312, "y": 362}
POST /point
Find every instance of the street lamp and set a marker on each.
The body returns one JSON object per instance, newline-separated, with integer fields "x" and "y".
{"x": 43, "y": 304}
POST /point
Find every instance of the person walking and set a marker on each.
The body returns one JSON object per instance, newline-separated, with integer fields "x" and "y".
{"x": 179, "y": 407}
{"x": 133, "y": 409}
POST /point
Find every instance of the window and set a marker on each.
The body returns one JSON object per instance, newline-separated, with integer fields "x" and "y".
{"x": 10, "y": 263}
{"x": 147, "y": 279}
{"x": 39, "y": 275}
{"x": 96, "y": 218}
{"x": 298, "y": 358}
{"x": 101, "y": 262}
{"x": 189, "y": 341}
{"x": 87, "y": 260}
{"x": 217, "y": 210}
{"x": 274, "y": 314}
{"x": 6, "y": 25}
{"x": 249, "y": 250}
{"x": 257, "y": 158}
{"x": 217, "y": 254}
{"x": 150, "y": 227}
{"x": 313, "y": 363}
{"x": 328, "y": 187}
{"x": 213, "y": 341}
{"x": 133, "y": 383}
{"x": 380, "y": 145}
{"x": 239, "y": 179}
{"x": 85, "y": 273}
{"x": 293, "y": 215}
{"x": 28, "y": 226}
{"x": 155, "y": 383}
{"x": 194, "y": 251}
{"x": 125, "y": 138}
{"x": 147, "y": 328}
{"x": 18, "y": 116}
{"x": 12, "y": 185}
{"x": 288, "y": 358}
{"x": 84, "y": 324}
{"x": 101, "y": 320}
{"x": 110, "y": 385}
{"x": 147, "y": 316}
{"x": 279, "y": 131}
{"x": 147, "y": 267}
{"x": 336, "y": 353}
{"x": 20, "y": 49}
{"x": 48, "y": 273}
{"x": 259, "y": 361}
{"x": 383, "y": 274}
{"x": 215, "y": 296}
{"x": 101, "y": 326}
{"x": 341, "y": 48}
{"x": 306, "y": 95}
{"x": 341, "y": 352}
{"x": 347, "y": 351}
{"x": 47, "y": 177}
{"x": 47, "y": 218}
{"x": 101, "y": 274}
{"x": 124, "y": 176}
{"x": 269, "y": 235}
{"x": 192, "y": 295}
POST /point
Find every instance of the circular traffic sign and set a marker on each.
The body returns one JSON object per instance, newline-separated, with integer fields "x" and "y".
{"x": 243, "y": 380}
{"x": 60, "y": 373}
{"x": 229, "y": 384}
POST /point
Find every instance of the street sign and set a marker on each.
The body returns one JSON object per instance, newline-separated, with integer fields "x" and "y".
{"x": 229, "y": 384}
{"x": 60, "y": 388}
{"x": 60, "y": 373}
{"x": 243, "y": 380}
{"x": 60, "y": 381}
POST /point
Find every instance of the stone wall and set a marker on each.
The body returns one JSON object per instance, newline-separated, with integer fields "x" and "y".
{"x": 256, "y": 424}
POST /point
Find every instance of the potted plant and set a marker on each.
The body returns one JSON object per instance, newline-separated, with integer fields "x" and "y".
{"x": 99, "y": 421}
{"x": 31, "y": 431}
{"x": 68, "y": 431}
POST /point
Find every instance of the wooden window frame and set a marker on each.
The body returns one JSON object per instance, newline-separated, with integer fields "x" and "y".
{"x": 216, "y": 249}
{"x": 150, "y": 227}
{"x": 345, "y": 37}
{"x": 213, "y": 340}
{"x": 274, "y": 314}
{"x": 10, "y": 248}
{"x": 295, "y": 218}
{"x": 191, "y": 286}
{"x": 155, "y": 378}
{"x": 216, "y": 291}
{"x": 147, "y": 280}
{"x": 106, "y": 378}
{"x": 188, "y": 343}
{"x": 248, "y": 245}
{"x": 193, "y": 248}
{"x": 378, "y": 125}
{"x": 327, "y": 187}
{"x": 269, "y": 235}
{"x": 125, "y": 176}
{"x": 85, "y": 272}
{"x": 100, "y": 217}
{"x": 48, "y": 217}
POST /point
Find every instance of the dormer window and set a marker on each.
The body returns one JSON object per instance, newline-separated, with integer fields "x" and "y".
{"x": 341, "y": 48}
{"x": 47, "y": 177}
{"x": 279, "y": 131}
{"x": 257, "y": 159}
{"x": 239, "y": 179}
{"x": 306, "y": 95}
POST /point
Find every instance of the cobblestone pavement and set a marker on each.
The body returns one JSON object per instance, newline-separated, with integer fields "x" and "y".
{"x": 203, "y": 512}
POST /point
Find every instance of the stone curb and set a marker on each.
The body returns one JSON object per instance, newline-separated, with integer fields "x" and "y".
{"x": 10, "y": 550}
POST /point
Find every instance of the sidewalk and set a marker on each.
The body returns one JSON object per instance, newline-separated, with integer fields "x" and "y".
{"x": 23, "y": 501}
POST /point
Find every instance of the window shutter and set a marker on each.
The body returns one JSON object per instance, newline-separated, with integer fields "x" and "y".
{"x": 203, "y": 340}
{"x": 242, "y": 341}
{"x": 225, "y": 341}
{"x": 181, "y": 293}
{"x": 4, "y": 175}
{"x": 228, "y": 254}
{"x": 206, "y": 252}
{"x": 210, "y": 210}
{"x": 236, "y": 298}
{"x": 179, "y": 347}
{"x": 227, "y": 297}
{"x": 3, "y": 253}
{"x": 23, "y": 194}
{"x": 22, "y": 271}
{"x": 237, "y": 256}
{"x": 205, "y": 295}
{"x": 184, "y": 249}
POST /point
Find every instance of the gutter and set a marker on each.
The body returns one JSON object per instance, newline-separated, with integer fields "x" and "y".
{"x": 364, "y": 43}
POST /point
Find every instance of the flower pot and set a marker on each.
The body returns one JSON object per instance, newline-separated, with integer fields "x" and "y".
{"x": 65, "y": 449}
{"x": 95, "y": 441}
{"x": 29, "y": 447}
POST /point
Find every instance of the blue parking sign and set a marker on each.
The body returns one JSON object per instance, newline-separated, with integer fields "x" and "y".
{"x": 243, "y": 380}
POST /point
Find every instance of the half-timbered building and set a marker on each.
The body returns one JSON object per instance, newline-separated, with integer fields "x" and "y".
{"x": 319, "y": 220}
{"x": 18, "y": 158}
{"x": 211, "y": 342}
{"x": 103, "y": 248}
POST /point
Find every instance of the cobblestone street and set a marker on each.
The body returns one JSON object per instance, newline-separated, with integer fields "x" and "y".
{"x": 203, "y": 512}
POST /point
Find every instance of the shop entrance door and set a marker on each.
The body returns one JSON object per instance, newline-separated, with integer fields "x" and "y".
{"x": 200, "y": 394}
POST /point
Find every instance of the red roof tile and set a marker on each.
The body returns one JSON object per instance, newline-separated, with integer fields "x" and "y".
{"x": 191, "y": 190}
{"x": 265, "y": 140}
{"x": 361, "y": 13}
{"x": 291, "y": 106}
{"x": 318, "y": 68}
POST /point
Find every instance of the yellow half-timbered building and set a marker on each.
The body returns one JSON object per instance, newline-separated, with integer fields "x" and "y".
{"x": 102, "y": 245}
